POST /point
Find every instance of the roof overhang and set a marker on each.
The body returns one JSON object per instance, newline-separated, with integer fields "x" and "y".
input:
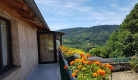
{"x": 32, "y": 5}
{"x": 26, "y": 11}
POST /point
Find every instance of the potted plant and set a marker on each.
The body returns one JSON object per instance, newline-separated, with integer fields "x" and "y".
{"x": 68, "y": 55}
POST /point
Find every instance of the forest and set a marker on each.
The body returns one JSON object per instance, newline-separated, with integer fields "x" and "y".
{"x": 87, "y": 38}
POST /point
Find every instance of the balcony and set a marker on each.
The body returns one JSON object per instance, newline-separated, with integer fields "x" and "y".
{"x": 46, "y": 72}
{"x": 53, "y": 71}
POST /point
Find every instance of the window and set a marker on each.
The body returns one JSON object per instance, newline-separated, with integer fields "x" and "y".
{"x": 5, "y": 43}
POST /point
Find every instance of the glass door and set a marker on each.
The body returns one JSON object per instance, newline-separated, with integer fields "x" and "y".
{"x": 47, "y": 47}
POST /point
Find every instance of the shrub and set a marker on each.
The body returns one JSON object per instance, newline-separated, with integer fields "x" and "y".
{"x": 134, "y": 62}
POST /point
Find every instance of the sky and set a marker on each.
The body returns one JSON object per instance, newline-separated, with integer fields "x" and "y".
{"x": 63, "y": 14}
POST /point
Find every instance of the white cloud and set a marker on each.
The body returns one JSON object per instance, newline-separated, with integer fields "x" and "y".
{"x": 64, "y": 7}
{"x": 113, "y": 5}
{"x": 73, "y": 13}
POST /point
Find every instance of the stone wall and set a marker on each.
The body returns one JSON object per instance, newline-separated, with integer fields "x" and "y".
{"x": 24, "y": 48}
{"x": 121, "y": 66}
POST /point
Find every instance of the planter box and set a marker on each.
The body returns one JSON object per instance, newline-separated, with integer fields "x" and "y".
{"x": 69, "y": 59}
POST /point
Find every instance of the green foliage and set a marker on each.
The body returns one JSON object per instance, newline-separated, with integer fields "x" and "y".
{"x": 134, "y": 63}
{"x": 87, "y": 38}
{"x": 131, "y": 21}
{"x": 100, "y": 51}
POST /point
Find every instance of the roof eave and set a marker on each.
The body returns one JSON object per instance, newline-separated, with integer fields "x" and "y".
{"x": 33, "y": 7}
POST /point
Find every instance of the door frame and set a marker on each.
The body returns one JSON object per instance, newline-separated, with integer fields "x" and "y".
{"x": 54, "y": 44}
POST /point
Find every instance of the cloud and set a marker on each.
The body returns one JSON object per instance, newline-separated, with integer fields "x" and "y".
{"x": 113, "y": 5}
{"x": 126, "y": 8}
{"x": 64, "y": 7}
{"x": 61, "y": 14}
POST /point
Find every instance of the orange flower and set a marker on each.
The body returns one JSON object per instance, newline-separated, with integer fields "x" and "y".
{"x": 87, "y": 55}
{"x": 110, "y": 70}
{"x": 90, "y": 62}
{"x": 109, "y": 66}
{"x": 94, "y": 61}
{"x": 77, "y": 60}
{"x": 81, "y": 60}
{"x": 71, "y": 63}
{"x": 73, "y": 75}
{"x": 81, "y": 55}
{"x": 84, "y": 58}
{"x": 65, "y": 67}
{"x": 100, "y": 71}
{"x": 79, "y": 66}
{"x": 76, "y": 71}
{"x": 98, "y": 63}
{"x": 104, "y": 65}
{"x": 95, "y": 74}
{"x": 86, "y": 62}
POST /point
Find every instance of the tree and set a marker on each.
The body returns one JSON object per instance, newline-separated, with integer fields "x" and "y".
{"x": 123, "y": 42}
{"x": 130, "y": 23}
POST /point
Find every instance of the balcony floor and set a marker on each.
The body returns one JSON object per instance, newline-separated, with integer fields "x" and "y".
{"x": 46, "y": 72}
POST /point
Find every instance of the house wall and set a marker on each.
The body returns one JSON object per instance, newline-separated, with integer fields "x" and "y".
{"x": 24, "y": 48}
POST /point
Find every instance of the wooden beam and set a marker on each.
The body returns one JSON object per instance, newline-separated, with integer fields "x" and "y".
{"x": 18, "y": 13}
{"x": 19, "y": 1}
{"x": 19, "y": 9}
{"x": 37, "y": 23}
{"x": 24, "y": 13}
{"x": 28, "y": 17}
{"x": 13, "y": 3}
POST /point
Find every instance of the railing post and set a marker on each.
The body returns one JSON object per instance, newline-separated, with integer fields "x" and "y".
{"x": 115, "y": 58}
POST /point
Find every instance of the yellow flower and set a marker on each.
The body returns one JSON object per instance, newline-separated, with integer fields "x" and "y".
{"x": 84, "y": 68}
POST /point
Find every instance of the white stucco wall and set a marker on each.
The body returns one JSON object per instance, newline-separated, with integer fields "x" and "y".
{"x": 24, "y": 47}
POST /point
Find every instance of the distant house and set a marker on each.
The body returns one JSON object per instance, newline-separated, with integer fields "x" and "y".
{"x": 25, "y": 39}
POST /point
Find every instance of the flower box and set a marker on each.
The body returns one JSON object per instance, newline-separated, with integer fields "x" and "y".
{"x": 69, "y": 59}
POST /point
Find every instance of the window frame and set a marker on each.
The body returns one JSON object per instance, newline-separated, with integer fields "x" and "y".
{"x": 10, "y": 64}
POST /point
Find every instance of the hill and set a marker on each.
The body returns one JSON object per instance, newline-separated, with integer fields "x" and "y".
{"x": 87, "y": 38}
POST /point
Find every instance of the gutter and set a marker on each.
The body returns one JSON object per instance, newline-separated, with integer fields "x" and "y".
{"x": 33, "y": 7}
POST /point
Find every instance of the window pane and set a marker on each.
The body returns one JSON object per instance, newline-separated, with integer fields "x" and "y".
{"x": 4, "y": 43}
{"x": 46, "y": 47}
